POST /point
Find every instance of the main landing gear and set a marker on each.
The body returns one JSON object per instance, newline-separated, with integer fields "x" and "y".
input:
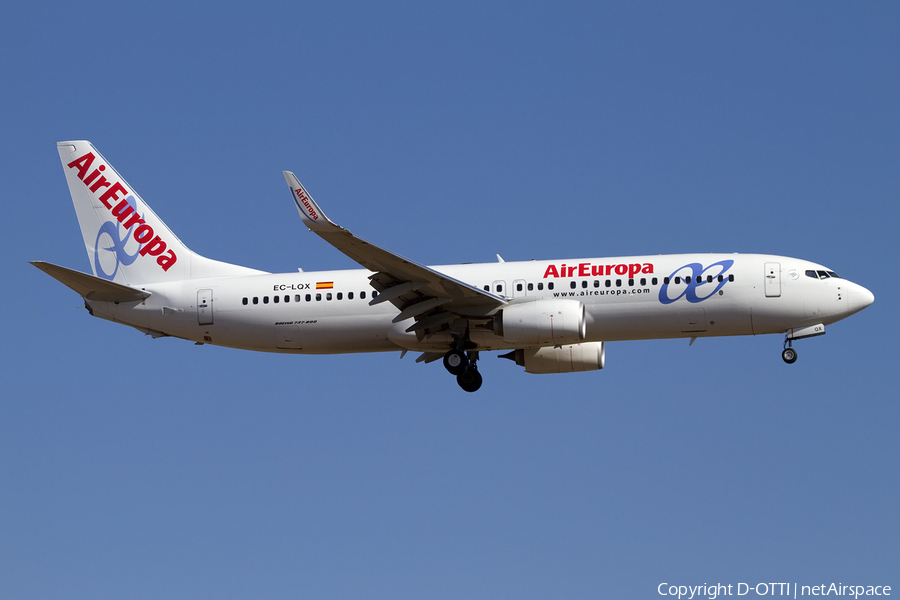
{"x": 463, "y": 365}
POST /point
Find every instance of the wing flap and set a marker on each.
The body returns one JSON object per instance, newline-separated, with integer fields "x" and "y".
{"x": 90, "y": 287}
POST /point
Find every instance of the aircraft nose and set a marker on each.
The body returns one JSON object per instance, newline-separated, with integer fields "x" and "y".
{"x": 859, "y": 298}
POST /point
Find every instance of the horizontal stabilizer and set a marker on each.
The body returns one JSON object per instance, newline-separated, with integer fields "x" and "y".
{"x": 90, "y": 287}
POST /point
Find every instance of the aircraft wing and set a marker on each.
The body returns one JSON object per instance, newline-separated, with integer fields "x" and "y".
{"x": 418, "y": 291}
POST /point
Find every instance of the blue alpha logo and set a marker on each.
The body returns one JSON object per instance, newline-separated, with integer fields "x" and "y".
{"x": 117, "y": 247}
{"x": 694, "y": 282}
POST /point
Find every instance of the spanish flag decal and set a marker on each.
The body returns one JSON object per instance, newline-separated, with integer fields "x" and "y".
{"x": 324, "y": 285}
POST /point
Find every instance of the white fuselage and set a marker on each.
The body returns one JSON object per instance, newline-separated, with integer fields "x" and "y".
{"x": 626, "y": 298}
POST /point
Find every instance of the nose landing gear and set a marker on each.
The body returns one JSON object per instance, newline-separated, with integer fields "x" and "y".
{"x": 789, "y": 355}
{"x": 798, "y": 333}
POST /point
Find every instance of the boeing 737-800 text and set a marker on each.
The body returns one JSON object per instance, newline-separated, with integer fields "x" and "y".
{"x": 552, "y": 316}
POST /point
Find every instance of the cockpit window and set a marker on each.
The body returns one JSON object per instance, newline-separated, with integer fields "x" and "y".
{"x": 822, "y": 274}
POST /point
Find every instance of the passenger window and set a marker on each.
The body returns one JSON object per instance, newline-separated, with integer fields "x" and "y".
{"x": 297, "y": 298}
{"x": 499, "y": 288}
{"x": 678, "y": 279}
{"x": 643, "y": 281}
{"x": 530, "y": 287}
{"x": 549, "y": 285}
{"x": 608, "y": 283}
{"x": 374, "y": 294}
{"x": 541, "y": 285}
{"x": 309, "y": 297}
{"x": 362, "y": 295}
{"x": 255, "y": 300}
{"x": 572, "y": 284}
{"x": 328, "y": 296}
{"x": 584, "y": 283}
{"x": 276, "y": 299}
{"x": 709, "y": 279}
{"x": 244, "y": 302}
{"x": 349, "y": 295}
{"x": 665, "y": 281}
{"x": 318, "y": 297}
{"x": 596, "y": 283}
{"x": 721, "y": 279}
{"x": 265, "y": 299}
{"x": 518, "y": 287}
{"x": 618, "y": 283}
{"x": 340, "y": 296}
{"x": 731, "y": 278}
{"x": 487, "y": 288}
{"x": 631, "y": 282}
{"x": 654, "y": 281}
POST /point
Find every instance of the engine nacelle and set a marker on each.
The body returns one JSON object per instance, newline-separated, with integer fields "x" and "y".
{"x": 569, "y": 358}
{"x": 542, "y": 323}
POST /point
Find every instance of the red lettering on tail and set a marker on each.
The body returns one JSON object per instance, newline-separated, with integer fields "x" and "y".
{"x": 117, "y": 194}
{"x": 154, "y": 247}
{"x": 82, "y": 164}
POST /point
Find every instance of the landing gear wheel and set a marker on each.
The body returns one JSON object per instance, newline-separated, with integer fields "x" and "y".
{"x": 469, "y": 380}
{"x": 456, "y": 362}
{"x": 789, "y": 355}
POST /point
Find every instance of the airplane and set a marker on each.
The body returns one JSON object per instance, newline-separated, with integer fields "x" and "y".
{"x": 549, "y": 316}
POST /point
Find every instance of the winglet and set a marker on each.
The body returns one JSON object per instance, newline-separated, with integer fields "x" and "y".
{"x": 309, "y": 211}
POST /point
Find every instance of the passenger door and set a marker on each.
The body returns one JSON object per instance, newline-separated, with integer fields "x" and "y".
{"x": 773, "y": 280}
{"x": 204, "y": 307}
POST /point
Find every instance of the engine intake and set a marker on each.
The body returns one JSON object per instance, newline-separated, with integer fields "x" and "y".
{"x": 542, "y": 323}
{"x": 570, "y": 358}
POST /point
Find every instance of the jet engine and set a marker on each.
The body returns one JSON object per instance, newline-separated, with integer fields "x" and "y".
{"x": 542, "y": 323}
{"x": 569, "y": 358}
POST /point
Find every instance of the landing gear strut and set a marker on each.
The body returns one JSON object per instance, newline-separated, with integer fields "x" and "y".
{"x": 463, "y": 366}
{"x": 470, "y": 379}
{"x": 461, "y": 358}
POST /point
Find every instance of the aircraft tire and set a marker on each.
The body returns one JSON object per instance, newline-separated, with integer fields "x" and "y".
{"x": 469, "y": 380}
{"x": 456, "y": 362}
{"x": 789, "y": 356}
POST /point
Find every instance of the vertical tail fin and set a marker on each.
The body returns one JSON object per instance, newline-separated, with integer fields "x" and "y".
{"x": 125, "y": 241}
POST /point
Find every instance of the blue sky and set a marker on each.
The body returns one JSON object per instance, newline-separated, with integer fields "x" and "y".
{"x": 140, "y": 468}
